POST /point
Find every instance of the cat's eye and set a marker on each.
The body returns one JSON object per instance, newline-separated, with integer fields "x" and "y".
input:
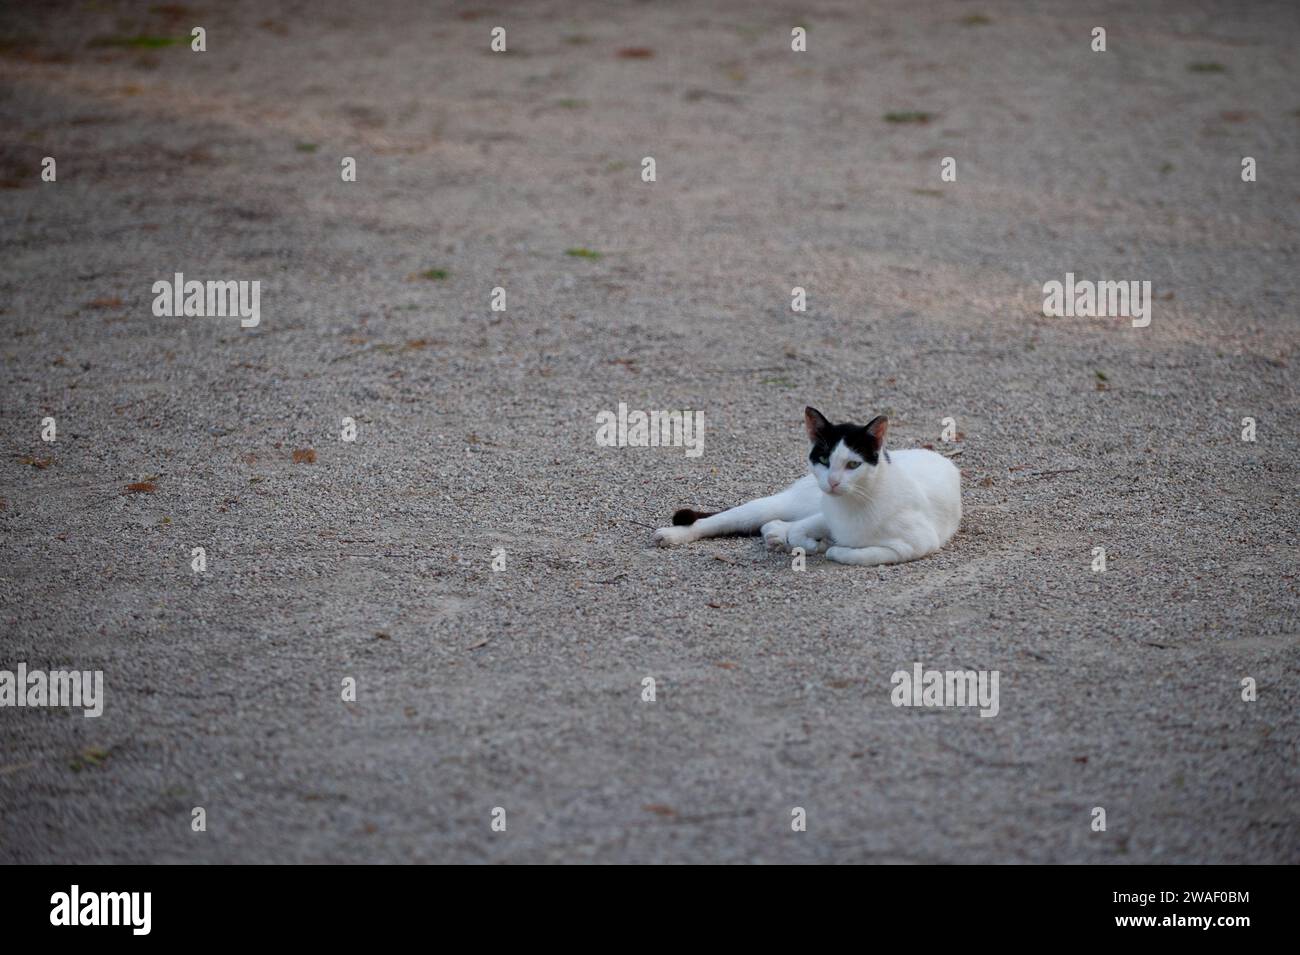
{"x": 824, "y": 462}
{"x": 852, "y": 465}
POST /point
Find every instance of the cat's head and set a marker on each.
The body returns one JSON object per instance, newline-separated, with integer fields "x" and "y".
{"x": 845, "y": 458}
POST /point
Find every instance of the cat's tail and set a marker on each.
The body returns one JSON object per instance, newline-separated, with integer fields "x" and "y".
{"x": 685, "y": 517}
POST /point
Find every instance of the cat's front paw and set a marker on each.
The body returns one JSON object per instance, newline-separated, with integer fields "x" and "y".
{"x": 775, "y": 535}
{"x": 810, "y": 545}
{"x": 673, "y": 536}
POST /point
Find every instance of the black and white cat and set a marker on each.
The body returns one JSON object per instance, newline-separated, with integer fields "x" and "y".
{"x": 861, "y": 504}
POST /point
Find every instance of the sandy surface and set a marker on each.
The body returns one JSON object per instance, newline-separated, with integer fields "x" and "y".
{"x": 522, "y": 688}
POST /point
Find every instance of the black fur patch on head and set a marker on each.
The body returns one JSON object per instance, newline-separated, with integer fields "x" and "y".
{"x": 860, "y": 438}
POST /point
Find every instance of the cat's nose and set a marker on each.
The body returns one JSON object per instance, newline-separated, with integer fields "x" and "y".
{"x": 833, "y": 484}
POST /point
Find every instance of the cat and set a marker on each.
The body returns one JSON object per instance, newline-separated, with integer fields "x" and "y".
{"x": 861, "y": 504}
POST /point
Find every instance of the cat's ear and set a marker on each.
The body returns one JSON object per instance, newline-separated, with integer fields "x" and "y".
{"x": 815, "y": 423}
{"x": 876, "y": 430}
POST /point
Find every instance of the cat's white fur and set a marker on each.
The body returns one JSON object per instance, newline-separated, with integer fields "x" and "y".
{"x": 905, "y": 506}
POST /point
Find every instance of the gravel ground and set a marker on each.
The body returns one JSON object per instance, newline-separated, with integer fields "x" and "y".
{"x": 521, "y": 689}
